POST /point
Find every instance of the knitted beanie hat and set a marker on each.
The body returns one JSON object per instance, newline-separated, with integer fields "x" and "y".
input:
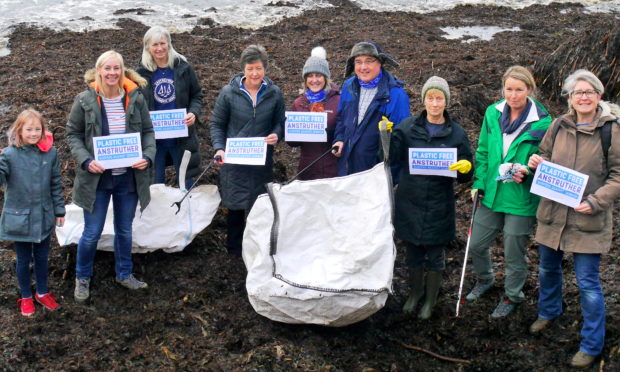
{"x": 317, "y": 62}
{"x": 368, "y": 48}
{"x": 435, "y": 82}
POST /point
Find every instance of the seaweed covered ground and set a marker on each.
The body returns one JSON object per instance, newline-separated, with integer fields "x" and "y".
{"x": 195, "y": 316}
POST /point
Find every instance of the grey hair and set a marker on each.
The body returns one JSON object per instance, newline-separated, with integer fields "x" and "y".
{"x": 156, "y": 33}
{"x": 582, "y": 75}
{"x": 254, "y": 53}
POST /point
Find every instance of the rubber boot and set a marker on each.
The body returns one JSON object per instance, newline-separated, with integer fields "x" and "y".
{"x": 416, "y": 289}
{"x": 433, "y": 283}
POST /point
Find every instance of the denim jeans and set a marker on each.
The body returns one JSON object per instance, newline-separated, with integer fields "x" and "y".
{"x": 160, "y": 163}
{"x": 590, "y": 294}
{"x": 26, "y": 252}
{"x": 124, "y": 206}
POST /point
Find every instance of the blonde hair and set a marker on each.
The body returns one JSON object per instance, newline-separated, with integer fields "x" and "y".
{"x": 520, "y": 73}
{"x": 15, "y": 131}
{"x": 103, "y": 59}
{"x": 155, "y": 33}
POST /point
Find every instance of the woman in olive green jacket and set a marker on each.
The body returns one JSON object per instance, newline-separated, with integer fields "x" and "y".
{"x": 511, "y": 132}
{"x": 112, "y": 104}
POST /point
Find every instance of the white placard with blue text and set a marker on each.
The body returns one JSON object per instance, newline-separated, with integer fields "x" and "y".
{"x": 169, "y": 123}
{"x": 246, "y": 150}
{"x": 305, "y": 126}
{"x": 118, "y": 150}
{"x": 432, "y": 161}
{"x": 558, "y": 183}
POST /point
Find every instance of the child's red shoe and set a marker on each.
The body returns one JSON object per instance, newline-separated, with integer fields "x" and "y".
{"x": 27, "y": 306}
{"x": 47, "y": 300}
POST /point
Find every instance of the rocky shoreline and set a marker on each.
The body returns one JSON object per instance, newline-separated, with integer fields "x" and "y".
{"x": 196, "y": 315}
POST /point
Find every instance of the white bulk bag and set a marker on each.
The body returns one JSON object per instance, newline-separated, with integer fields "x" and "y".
{"x": 158, "y": 227}
{"x": 333, "y": 249}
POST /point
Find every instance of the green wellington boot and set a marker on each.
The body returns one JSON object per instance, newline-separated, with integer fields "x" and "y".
{"x": 433, "y": 283}
{"x": 416, "y": 289}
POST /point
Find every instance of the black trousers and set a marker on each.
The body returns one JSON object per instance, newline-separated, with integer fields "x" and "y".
{"x": 235, "y": 226}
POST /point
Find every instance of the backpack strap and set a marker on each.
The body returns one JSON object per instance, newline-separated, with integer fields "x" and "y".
{"x": 606, "y": 137}
{"x": 556, "y": 129}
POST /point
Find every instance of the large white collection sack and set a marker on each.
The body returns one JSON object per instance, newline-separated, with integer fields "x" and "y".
{"x": 328, "y": 256}
{"x": 158, "y": 227}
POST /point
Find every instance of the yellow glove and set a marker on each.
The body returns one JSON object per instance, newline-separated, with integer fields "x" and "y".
{"x": 461, "y": 166}
{"x": 385, "y": 124}
{"x": 473, "y": 194}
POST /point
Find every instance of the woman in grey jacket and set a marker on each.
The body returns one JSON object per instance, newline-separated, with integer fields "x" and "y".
{"x": 249, "y": 106}
{"x": 112, "y": 104}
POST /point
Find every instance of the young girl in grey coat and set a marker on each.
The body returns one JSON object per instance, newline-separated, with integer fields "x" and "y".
{"x": 33, "y": 203}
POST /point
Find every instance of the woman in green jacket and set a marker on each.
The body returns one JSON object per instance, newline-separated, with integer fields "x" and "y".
{"x": 511, "y": 132}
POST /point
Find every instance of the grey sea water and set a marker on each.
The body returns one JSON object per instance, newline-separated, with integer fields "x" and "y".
{"x": 182, "y": 15}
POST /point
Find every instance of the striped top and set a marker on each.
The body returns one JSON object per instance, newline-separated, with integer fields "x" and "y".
{"x": 115, "y": 111}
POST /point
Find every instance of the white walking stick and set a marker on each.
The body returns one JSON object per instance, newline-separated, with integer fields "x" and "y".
{"x": 471, "y": 224}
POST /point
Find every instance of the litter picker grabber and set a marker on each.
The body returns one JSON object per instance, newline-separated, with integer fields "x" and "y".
{"x": 178, "y": 204}
{"x": 331, "y": 150}
{"x": 471, "y": 224}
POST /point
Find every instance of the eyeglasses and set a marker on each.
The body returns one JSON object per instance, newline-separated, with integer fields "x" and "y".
{"x": 367, "y": 61}
{"x": 590, "y": 93}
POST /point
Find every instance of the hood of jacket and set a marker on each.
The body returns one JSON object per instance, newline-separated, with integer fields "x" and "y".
{"x": 606, "y": 111}
{"x": 388, "y": 82}
{"x": 46, "y": 143}
{"x": 131, "y": 81}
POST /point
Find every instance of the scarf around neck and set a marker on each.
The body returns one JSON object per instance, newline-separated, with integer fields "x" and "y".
{"x": 371, "y": 84}
{"x": 315, "y": 97}
{"x": 504, "y": 120}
